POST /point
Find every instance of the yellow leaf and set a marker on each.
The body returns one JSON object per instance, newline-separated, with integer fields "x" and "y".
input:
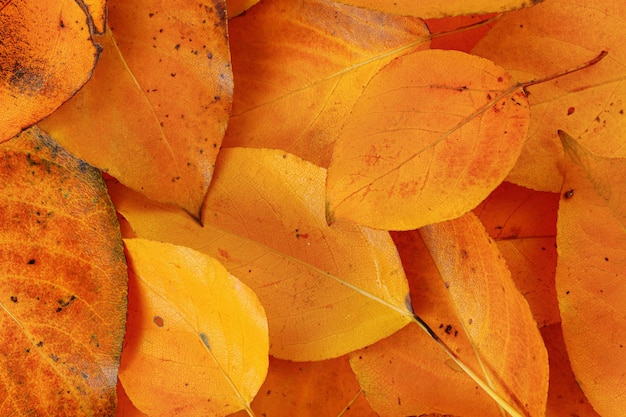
{"x": 46, "y": 55}
{"x": 155, "y": 111}
{"x": 299, "y": 68}
{"x": 195, "y": 332}
{"x": 63, "y": 291}
{"x": 472, "y": 305}
{"x": 591, "y": 269}
{"x": 441, "y": 8}
{"x": 264, "y": 220}
{"x": 432, "y": 135}
{"x": 589, "y": 104}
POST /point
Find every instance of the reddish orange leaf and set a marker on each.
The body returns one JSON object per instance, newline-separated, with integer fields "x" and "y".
{"x": 299, "y": 68}
{"x": 125, "y": 407}
{"x": 441, "y": 8}
{"x": 462, "y": 40}
{"x": 156, "y": 109}
{"x": 565, "y": 399}
{"x": 63, "y": 291}
{"x": 46, "y": 54}
{"x": 469, "y": 299}
{"x": 432, "y": 135}
{"x": 264, "y": 220}
{"x": 195, "y": 332}
{"x": 547, "y": 39}
{"x": 236, "y": 7}
{"x": 311, "y": 389}
{"x": 591, "y": 273}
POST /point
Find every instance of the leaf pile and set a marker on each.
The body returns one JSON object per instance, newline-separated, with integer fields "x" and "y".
{"x": 353, "y": 208}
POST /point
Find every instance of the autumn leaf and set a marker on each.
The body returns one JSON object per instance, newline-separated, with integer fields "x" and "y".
{"x": 236, "y": 7}
{"x": 472, "y": 305}
{"x": 63, "y": 292}
{"x": 441, "y": 8}
{"x": 327, "y": 290}
{"x": 588, "y": 104}
{"x": 197, "y": 333}
{"x": 46, "y": 55}
{"x": 590, "y": 274}
{"x": 154, "y": 113}
{"x": 432, "y": 135}
{"x": 300, "y": 66}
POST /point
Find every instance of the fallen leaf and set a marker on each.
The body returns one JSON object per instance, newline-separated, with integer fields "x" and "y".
{"x": 195, "y": 333}
{"x": 311, "y": 389}
{"x": 299, "y": 68}
{"x": 590, "y": 274}
{"x": 63, "y": 291}
{"x": 431, "y": 136}
{"x": 264, "y": 220}
{"x": 588, "y": 104}
{"x": 125, "y": 407}
{"x": 441, "y": 8}
{"x": 236, "y": 7}
{"x": 168, "y": 62}
{"x": 46, "y": 55}
{"x": 565, "y": 399}
{"x": 460, "y": 286}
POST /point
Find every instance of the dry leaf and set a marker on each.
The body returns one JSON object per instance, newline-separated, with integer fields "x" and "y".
{"x": 264, "y": 220}
{"x": 590, "y": 104}
{"x": 63, "y": 292}
{"x": 590, "y": 274}
{"x": 300, "y": 66}
{"x": 196, "y": 333}
{"x": 156, "y": 109}
{"x": 432, "y": 135}
{"x": 125, "y": 407}
{"x": 46, "y": 55}
{"x": 441, "y": 8}
{"x": 236, "y": 7}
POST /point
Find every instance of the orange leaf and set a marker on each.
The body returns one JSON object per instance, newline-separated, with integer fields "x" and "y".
{"x": 432, "y": 135}
{"x": 472, "y": 304}
{"x": 300, "y": 67}
{"x": 441, "y": 8}
{"x": 236, "y": 7}
{"x": 125, "y": 407}
{"x": 63, "y": 293}
{"x": 46, "y": 54}
{"x": 311, "y": 389}
{"x": 156, "y": 109}
{"x": 591, "y": 238}
{"x": 523, "y": 223}
{"x": 589, "y": 104}
{"x": 565, "y": 399}
{"x": 195, "y": 332}
{"x": 264, "y": 220}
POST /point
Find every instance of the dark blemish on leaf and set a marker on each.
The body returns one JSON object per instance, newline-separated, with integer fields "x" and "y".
{"x": 14, "y": 298}
{"x": 177, "y": 46}
{"x": 567, "y": 292}
{"x": 606, "y": 259}
{"x": 205, "y": 340}
{"x": 470, "y": 321}
{"x": 173, "y": 74}
{"x": 61, "y": 24}
{"x": 500, "y": 79}
{"x": 489, "y": 96}
{"x": 174, "y": 179}
{"x": 568, "y": 194}
{"x": 158, "y": 320}
{"x": 31, "y": 262}
{"x": 447, "y": 283}
{"x": 456, "y": 332}
{"x": 150, "y": 14}
{"x": 284, "y": 156}
{"x": 448, "y": 329}
{"x": 210, "y": 55}
{"x": 39, "y": 344}
{"x": 543, "y": 248}
{"x": 160, "y": 30}
{"x": 214, "y": 145}
{"x": 441, "y": 326}
{"x": 463, "y": 254}
{"x": 216, "y": 98}
{"x": 621, "y": 111}
{"x": 571, "y": 111}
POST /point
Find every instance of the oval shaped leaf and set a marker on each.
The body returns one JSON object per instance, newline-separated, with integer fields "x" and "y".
{"x": 197, "y": 341}
{"x": 591, "y": 273}
{"x": 589, "y": 104}
{"x": 46, "y": 55}
{"x": 472, "y": 305}
{"x": 157, "y": 106}
{"x": 300, "y": 69}
{"x": 63, "y": 286}
{"x": 327, "y": 290}
{"x": 432, "y": 135}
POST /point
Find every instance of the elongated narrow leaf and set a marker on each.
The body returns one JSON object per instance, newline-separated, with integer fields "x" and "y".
{"x": 591, "y": 272}
{"x": 197, "y": 341}
{"x": 441, "y": 8}
{"x": 468, "y": 298}
{"x": 155, "y": 111}
{"x": 264, "y": 220}
{"x": 300, "y": 66}
{"x": 432, "y": 135}
{"x": 590, "y": 104}
{"x": 62, "y": 283}
{"x": 46, "y": 55}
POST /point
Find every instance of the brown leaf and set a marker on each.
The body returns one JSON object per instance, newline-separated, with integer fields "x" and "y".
{"x": 63, "y": 290}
